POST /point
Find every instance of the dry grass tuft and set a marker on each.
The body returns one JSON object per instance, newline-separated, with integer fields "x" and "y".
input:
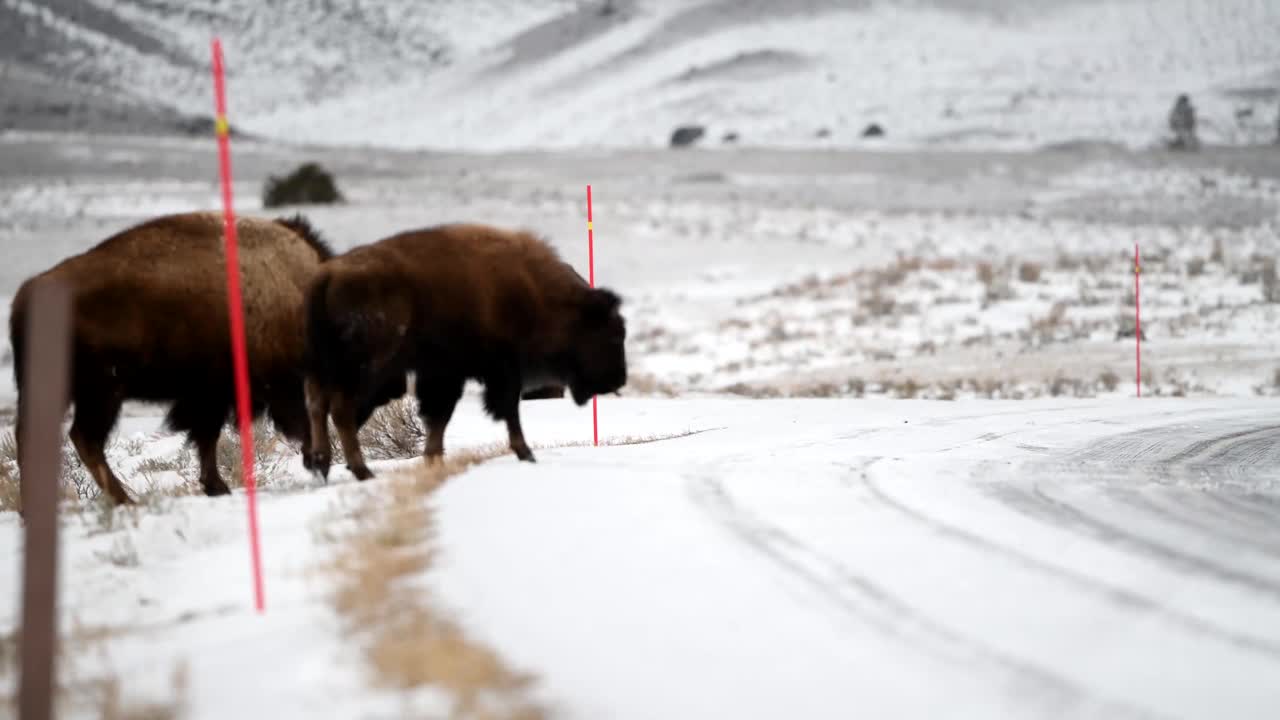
{"x": 10, "y": 488}
{"x": 76, "y": 483}
{"x": 1030, "y": 272}
{"x": 995, "y": 283}
{"x": 1109, "y": 380}
{"x": 114, "y": 707}
{"x": 640, "y": 384}
{"x": 100, "y": 695}
{"x": 393, "y": 431}
{"x": 271, "y": 453}
{"x": 1068, "y": 263}
{"x": 1218, "y": 253}
{"x": 758, "y": 392}
{"x": 407, "y": 642}
{"x": 1270, "y": 282}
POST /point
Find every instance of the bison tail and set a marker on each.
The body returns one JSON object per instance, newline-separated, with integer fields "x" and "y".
{"x": 323, "y": 342}
{"x": 18, "y": 335}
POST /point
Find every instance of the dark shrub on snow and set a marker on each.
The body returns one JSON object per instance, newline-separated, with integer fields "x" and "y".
{"x": 686, "y": 135}
{"x": 310, "y": 184}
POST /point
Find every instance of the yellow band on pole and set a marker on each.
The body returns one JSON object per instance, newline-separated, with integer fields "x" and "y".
{"x": 220, "y": 126}
{"x": 589, "y": 225}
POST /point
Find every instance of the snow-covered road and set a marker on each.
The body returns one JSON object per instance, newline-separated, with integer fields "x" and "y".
{"x": 791, "y": 558}
{"x": 883, "y": 559}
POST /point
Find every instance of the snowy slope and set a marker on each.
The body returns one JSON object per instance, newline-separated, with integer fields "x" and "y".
{"x": 485, "y": 74}
{"x": 928, "y": 74}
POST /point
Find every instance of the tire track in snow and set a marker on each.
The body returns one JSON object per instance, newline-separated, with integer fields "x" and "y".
{"x": 1193, "y": 513}
{"x": 1240, "y": 449}
{"x": 1129, "y": 600}
{"x": 1179, "y": 454}
{"x": 859, "y": 597}
{"x": 1161, "y": 456}
{"x": 1248, "y": 508}
{"x": 1057, "y": 511}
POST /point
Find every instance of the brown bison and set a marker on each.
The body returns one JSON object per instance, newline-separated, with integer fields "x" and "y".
{"x": 453, "y": 303}
{"x": 150, "y": 323}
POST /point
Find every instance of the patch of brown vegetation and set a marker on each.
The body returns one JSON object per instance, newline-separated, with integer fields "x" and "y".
{"x": 1270, "y": 281}
{"x": 644, "y": 384}
{"x": 271, "y": 452}
{"x": 101, "y": 695}
{"x": 1029, "y": 272}
{"x": 1218, "y": 253}
{"x": 407, "y": 642}
{"x": 1046, "y": 329}
{"x": 995, "y": 283}
{"x": 1068, "y": 263}
{"x": 393, "y": 431}
{"x": 1109, "y": 380}
{"x": 757, "y": 392}
{"x": 115, "y": 707}
{"x": 10, "y": 494}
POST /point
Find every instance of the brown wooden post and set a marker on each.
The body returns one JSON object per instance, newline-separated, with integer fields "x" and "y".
{"x": 46, "y": 368}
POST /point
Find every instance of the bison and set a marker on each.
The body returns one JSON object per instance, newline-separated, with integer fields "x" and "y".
{"x": 149, "y": 323}
{"x": 451, "y": 303}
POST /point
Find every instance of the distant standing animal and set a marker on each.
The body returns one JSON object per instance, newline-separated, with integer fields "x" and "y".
{"x": 150, "y": 323}
{"x": 1182, "y": 121}
{"x": 452, "y": 303}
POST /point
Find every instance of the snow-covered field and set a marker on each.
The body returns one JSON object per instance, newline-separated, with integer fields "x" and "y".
{"x": 959, "y": 506}
{"x": 947, "y": 275}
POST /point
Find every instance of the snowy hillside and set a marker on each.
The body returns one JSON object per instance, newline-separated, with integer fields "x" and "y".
{"x": 486, "y": 74}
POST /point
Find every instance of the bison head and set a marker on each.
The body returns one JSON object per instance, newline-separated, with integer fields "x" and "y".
{"x": 598, "y": 356}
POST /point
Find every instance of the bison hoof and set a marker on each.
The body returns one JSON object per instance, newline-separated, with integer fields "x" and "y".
{"x": 525, "y": 454}
{"x": 122, "y": 498}
{"x": 361, "y": 472}
{"x": 216, "y": 489}
{"x": 318, "y": 464}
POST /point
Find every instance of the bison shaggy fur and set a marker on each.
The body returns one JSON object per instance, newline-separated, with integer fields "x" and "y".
{"x": 150, "y": 323}
{"x": 452, "y": 303}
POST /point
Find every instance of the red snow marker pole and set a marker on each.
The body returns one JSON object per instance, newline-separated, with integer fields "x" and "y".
{"x": 1137, "y": 317}
{"x": 591, "y": 270}
{"x": 235, "y": 310}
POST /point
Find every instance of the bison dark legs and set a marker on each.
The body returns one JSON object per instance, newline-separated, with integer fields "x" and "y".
{"x": 202, "y": 419}
{"x": 502, "y": 388}
{"x": 206, "y": 441}
{"x": 345, "y": 409}
{"x": 438, "y": 394}
{"x": 97, "y": 407}
{"x": 287, "y": 407}
{"x": 318, "y": 416}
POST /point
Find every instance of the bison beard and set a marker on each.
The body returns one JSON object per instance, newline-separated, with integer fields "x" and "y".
{"x": 150, "y": 323}
{"x": 453, "y": 303}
